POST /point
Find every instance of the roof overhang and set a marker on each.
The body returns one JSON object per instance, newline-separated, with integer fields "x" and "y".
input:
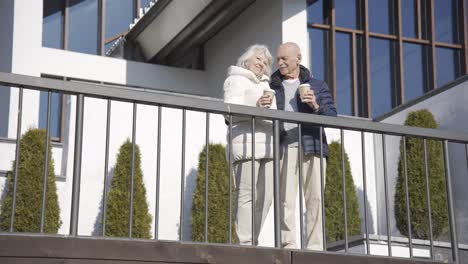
{"x": 172, "y": 28}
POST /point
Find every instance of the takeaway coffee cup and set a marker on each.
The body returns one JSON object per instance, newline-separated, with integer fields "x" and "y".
{"x": 269, "y": 93}
{"x": 303, "y": 88}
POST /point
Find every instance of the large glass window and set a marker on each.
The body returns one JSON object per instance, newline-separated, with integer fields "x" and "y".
{"x": 144, "y": 3}
{"x": 55, "y": 117}
{"x": 347, "y": 14}
{"x": 83, "y": 28}
{"x": 409, "y": 18}
{"x": 316, "y": 12}
{"x": 415, "y": 70}
{"x": 319, "y": 48}
{"x": 4, "y": 110}
{"x": 448, "y": 65}
{"x": 119, "y": 15}
{"x": 380, "y": 18}
{"x": 344, "y": 74}
{"x": 52, "y": 24}
{"x": 382, "y": 76}
{"x": 445, "y": 14}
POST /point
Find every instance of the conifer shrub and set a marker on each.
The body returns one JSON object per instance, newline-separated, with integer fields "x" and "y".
{"x": 334, "y": 211}
{"x": 417, "y": 182}
{"x": 117, "y": 211}
{"x": 30, "y": 184}
{"x": 218, "y": 197}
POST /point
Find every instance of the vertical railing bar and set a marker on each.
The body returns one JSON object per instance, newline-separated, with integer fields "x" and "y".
{"x": 46, "y": 160}
{"x": 301, "y": 202}
{"x": 343, "y": 170}
{"x": 364, "y": 179}
{"x": 428, "y": 197}
{"x": 448, "y": 183}
{"x": 17, "y": 155}
{"x": 387, "y": 217}
{"x": 207, "y": 156}
{"x": 106, "y": 167}
{"x": 182, "y": 175}
{"x": 408, "y": 215}
{"x": 132, "y": 175}
{"x": 158, "y": 175}
{"x": 75, "y": 201}
{"x": 252, "y": 191}
{"x": 322, "y": 192}
{"x": 230, "y": 179}
{"x": 276, "y": 182}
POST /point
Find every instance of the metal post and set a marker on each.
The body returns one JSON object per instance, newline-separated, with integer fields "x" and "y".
{"x": 408, "y": 215}
{"x": 343, "y": 170}
{"x": 322, "y": 191}
{"x": 276, "y": 182}
{"x": 230, "y": 179}
{"x": 207, "y": 157}
{"x": 387, "y": 211}
{"x": 364, "y": 179}
{"x": 428, "y": 197}
{"x": 253, "y": 186}
{"x": 106, "y": 168}
{"x": 182, "y": 177}
{"x": 17, "y": 156}
{"x": 132, "y": 171}
{"x": 158, "y": 174}
{"x": 301, "y": 211}
{"x": 75, "y": 203}
{"x": 448, "y": 183}
{"x": 46, "y": 161}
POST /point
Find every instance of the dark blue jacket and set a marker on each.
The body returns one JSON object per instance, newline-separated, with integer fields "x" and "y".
{"x": 310, "y": 133}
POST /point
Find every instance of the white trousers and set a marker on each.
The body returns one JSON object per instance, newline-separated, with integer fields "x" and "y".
{"x": 263, "y": 197}
{"x": 312, "y": 199}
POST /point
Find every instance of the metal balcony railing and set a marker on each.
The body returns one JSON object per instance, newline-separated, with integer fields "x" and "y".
{"x": 164, "y": 99}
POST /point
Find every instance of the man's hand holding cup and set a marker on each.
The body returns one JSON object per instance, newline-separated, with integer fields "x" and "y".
{"x": 266, "y": 99}
{"x": 308, "y": 96}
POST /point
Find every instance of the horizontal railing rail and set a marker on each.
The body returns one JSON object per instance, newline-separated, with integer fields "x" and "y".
{"x": 209, "y": 106}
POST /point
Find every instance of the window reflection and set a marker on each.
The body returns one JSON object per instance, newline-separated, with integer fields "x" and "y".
{"x": 445, "y": 15}
{"x": 56, "y": 114}
{"x": 119, "y": 14}
{"x": 408, "y": 18}
{"x": 382, "y": 76}
{"x": 346, "y": 14}
{"x": 316, "y": 12}
{"x": 83, "y": 26}
{"x": 448, "y": 65}
{"x": 319, "y": 51}
{"x": 379, "y": 16}
{"x": 344, "y": 73}
{"x": 52, "y": 24}
{"x": 415, "y": 70}
{"x": 144, "y": 3}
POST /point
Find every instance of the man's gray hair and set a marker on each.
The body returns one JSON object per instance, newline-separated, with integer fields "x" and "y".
{"x": 253, "y": 50}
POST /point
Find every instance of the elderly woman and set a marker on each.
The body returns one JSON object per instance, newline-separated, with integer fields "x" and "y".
{"x": 248, "y": 84}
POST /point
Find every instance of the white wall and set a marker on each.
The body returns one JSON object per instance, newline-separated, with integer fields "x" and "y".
{"x": 450, "y": 111}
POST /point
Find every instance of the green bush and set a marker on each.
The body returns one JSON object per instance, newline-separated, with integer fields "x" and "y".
{"x": 417, "y": 182}
{"x": 117, "y": 210}
{"x": 218, "y": 200}
{"x": 30, "y": 188}
{"x": 334, "y": 197}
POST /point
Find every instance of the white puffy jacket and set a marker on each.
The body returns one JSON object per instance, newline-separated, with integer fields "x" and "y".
{"x": 243, "y": 87}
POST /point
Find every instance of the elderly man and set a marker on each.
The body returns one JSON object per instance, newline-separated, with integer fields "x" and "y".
{"x": 318, "y": 101}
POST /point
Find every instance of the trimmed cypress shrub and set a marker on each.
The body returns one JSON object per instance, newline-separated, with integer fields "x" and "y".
{"x": 334, "y": 197}
{"x": 117, "y": 210}
{"x": 417, "y": 182}
{"x": 30, "y": 188}
{"x": 218, "y": 197}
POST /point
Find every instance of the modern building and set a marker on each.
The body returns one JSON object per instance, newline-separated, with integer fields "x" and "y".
{"x": 381, "y": 59}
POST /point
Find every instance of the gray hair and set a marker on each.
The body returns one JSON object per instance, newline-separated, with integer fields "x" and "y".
{"x": 256, "y": 49}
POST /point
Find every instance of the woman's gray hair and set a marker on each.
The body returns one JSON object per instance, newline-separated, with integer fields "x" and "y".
{"x": 253, "y": 50}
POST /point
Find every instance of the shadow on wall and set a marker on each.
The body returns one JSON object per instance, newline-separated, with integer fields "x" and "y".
{"x": 370, "y": 220}
{"x": 190, "y": 183}
{"x": 97, "y": 231}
